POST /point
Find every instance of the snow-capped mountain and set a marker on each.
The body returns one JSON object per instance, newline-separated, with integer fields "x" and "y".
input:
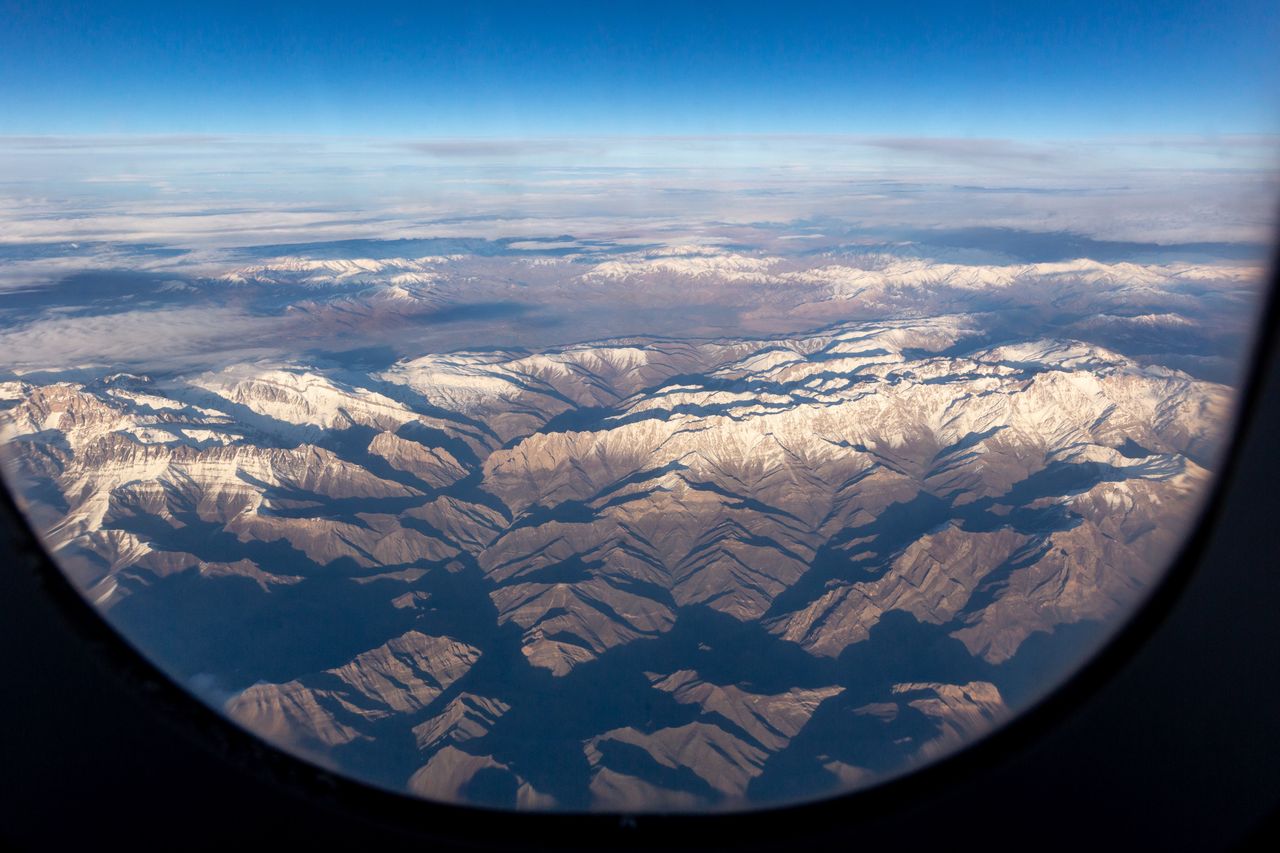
{"x": 640, "y": 573}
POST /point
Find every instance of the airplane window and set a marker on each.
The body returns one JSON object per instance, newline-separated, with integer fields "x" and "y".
{"x": 631, "y": 409}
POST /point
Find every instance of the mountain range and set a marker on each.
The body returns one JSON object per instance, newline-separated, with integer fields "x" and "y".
{"x": 687, "y": 570}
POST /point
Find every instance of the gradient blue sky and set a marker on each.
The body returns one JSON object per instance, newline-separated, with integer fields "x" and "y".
{"x": 1016, "y": 70}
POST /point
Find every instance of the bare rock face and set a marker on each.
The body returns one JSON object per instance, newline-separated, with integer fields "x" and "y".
{"x": 434, "y": 466}
{"x": 469, "y": 526}
{"x": 932, "y": 580}
{"x": 724, "y": 762}
{"x": 465, "y": 718}
{"x": 613, "y": 791}
{"x": 447, "y": 774}
{"x": 415, "y": 599}
{"x": 371, "y": 540}
{"x": 293, "y": 713}
{"x": 1078, "y": 574}
{"x": 963, "y": 712}
{"x": 399, "y": 677}
{"x": 707, "y": 748}
{"x": 771, "y": 721}
{"x": 568, "y": 624}
{"x": 407, "y": 673}
{"x": 638, "y": 574}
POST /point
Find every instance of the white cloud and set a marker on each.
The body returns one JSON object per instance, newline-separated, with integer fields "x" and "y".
{"x": 218, "y": 192}
{"x": 152, "y": 337}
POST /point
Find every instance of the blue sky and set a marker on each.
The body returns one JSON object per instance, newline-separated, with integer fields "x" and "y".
{"x": 1022, "y": 70}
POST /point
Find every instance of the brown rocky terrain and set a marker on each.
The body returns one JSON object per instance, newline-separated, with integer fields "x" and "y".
{"x": 639, "y": 574}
